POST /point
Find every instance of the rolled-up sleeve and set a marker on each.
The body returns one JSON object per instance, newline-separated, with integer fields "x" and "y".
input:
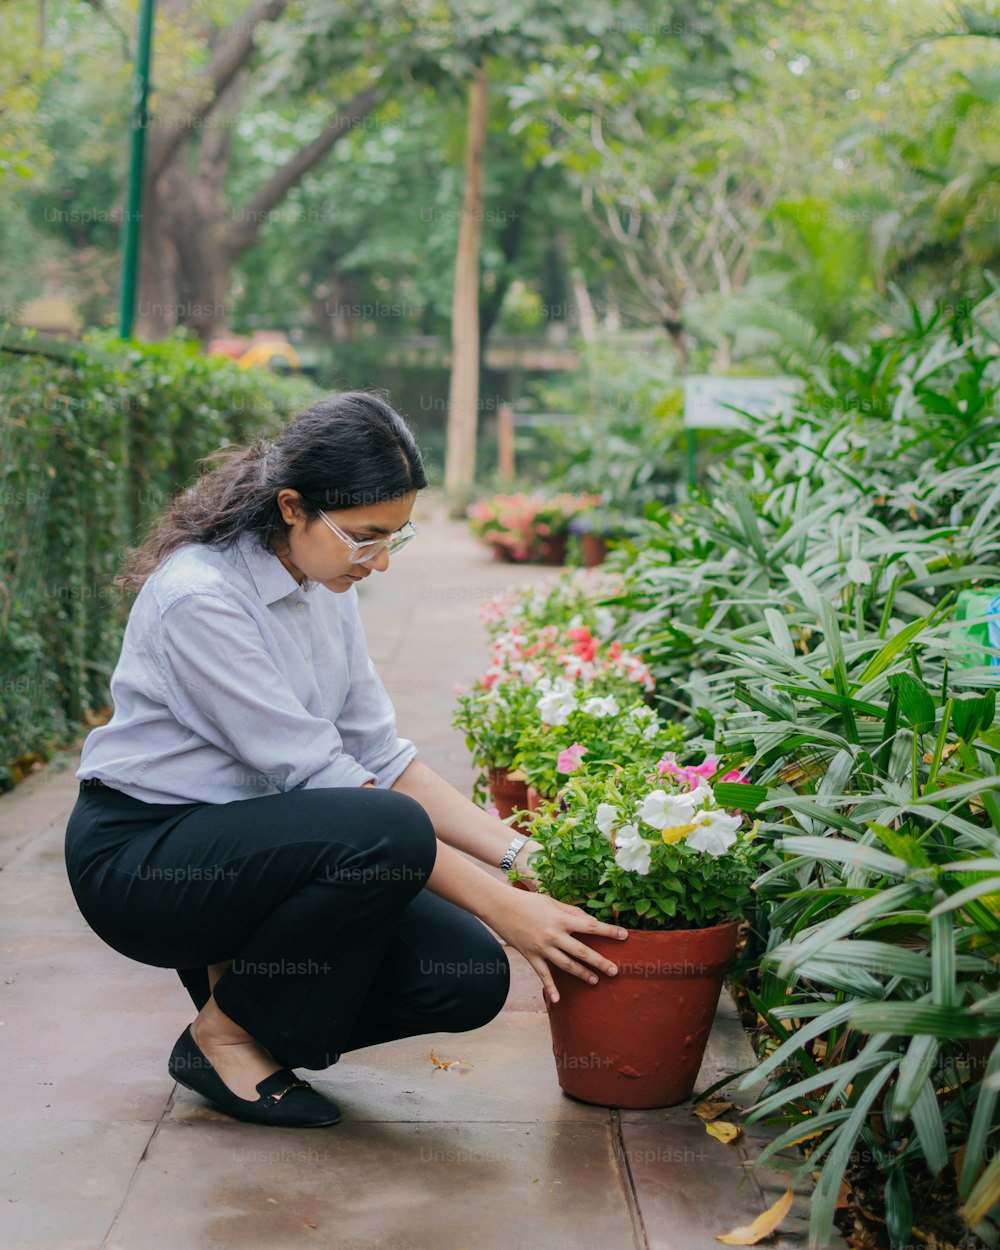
{"x": 221, "y": 681}
{"x": 367, "y": 721}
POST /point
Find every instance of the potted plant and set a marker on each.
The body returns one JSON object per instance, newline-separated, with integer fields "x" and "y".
{"x": 526, "y": 668}
{"x": 521, "y": 527}
{"x": 656, "y": 852}
{"x": 490, "y": 715}
{"x": 573, "y": 725}
{"x": 593, "y": 528}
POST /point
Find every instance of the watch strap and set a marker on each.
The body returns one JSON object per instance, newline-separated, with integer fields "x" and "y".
{"x": 508, "y": 860}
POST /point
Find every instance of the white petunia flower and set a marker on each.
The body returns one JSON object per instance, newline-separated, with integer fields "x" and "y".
{"x": 716, "y": 832}
{"x": 664, "y": 811}
{"x": 596, "y": 706}
{"x": 605, "y": 818}
{"x": 633, "y": 853}
{"x": 575, "y": 666}
{"x": 554, "y": 708}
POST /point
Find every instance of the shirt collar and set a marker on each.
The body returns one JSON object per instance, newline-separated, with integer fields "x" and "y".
{"x": 269, "y": 576}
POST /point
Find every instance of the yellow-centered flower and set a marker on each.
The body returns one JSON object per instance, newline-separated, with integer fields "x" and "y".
{"x": 677, "y": 832}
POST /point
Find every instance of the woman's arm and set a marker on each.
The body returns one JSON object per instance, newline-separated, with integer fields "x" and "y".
{"x": 456, "y": 819}
{"x": 541, "y": 928}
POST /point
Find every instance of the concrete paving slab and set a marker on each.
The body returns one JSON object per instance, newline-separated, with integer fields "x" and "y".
{"x": 46, "y": 796}
{"x": 62, "y": 1181}
{"x": 679, "y": 1172}
{"x": 38, "y": 902}
{"x": 44, "y": 853}
{"x": 378, "y": 1186}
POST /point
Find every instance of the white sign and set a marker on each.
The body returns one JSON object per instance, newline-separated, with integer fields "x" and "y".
{"x": 709, "y": 401}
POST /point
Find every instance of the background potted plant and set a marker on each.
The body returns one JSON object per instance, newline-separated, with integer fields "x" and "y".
{"x": 533, "y": 669}
{"x": 524, "y": 528}
{"x": 604, "y": 730}
{"x": 657, "y": 852}
{"x": 593, "y": 528}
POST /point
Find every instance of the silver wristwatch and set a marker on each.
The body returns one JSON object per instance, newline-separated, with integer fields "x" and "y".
{"x": 512, "y": 850}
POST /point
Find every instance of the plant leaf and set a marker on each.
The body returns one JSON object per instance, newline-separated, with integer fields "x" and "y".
{"x": 763, "y": 1225}
{"x": 723, "y": 1131}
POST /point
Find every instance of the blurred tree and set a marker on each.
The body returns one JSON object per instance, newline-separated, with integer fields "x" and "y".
{"x": 668, "y": 172}
{"x": 26, "y": 66}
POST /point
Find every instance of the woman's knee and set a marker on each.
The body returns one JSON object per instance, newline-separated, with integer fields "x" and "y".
{"x": 487, "y": 990}
{"x": 405, "y": 835}
{"x": 471, "y": 988}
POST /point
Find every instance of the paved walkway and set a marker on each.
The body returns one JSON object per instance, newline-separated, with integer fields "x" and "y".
{"x": 100, "y": 1150}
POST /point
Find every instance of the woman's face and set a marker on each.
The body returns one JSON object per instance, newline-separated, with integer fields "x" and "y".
{"x": 318, "y": 553}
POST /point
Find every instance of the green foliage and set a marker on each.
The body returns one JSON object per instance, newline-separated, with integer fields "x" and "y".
{"x": 681, "y": 887}
{"x": 610, "y": 733}
{"x": 803, "y": 606}
{"x": 627, "y": 443}
{"x": 869, "y": 504}
{"x": 92, "y": 448}
{"x": 553, "y": 639}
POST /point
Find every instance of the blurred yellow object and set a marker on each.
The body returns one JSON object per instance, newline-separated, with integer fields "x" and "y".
{"x": 266, "y": 355}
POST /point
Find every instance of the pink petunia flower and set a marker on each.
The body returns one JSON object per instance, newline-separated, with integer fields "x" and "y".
{"x": 569, "y": 760}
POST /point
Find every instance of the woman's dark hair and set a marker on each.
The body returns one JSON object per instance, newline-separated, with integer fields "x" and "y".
{"x": 345, "y": 451}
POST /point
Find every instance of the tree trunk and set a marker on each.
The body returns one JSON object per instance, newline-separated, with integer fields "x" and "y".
{"x": 463, "y": 398}
{"x": 191, "y": 238}
{"x": 678, "y": 338}
{"x": 517, "y": 207}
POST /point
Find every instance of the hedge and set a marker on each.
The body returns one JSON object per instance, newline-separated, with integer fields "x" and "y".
{"x": 94, "y": 441}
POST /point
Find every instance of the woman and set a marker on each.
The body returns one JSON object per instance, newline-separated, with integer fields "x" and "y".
{"x": 249, "y": 816}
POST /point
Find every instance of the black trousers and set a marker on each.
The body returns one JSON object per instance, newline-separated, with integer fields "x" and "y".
{"x": 317, "y": 897}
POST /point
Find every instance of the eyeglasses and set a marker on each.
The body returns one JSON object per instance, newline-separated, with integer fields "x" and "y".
{"x": 362, "y": 552}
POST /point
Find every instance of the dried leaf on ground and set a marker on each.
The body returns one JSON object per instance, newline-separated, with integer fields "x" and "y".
{"x": 711, "y": 1108}
{"x": 723, "y": 1131}
{"x": 763, "y": 1225}
{"x": 445, "y": 1064}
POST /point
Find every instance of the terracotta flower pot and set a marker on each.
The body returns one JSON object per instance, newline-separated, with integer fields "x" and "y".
{"x": 594, "y": 549}
{"x": 507, "y": 794}
{"x": 637, "y": 1039}
{"x": 535, "y": 799}
{"x": 552, "y": 550}
{"x": 502, "y": 553}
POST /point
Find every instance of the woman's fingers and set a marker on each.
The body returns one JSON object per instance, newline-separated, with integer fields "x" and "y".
{"x": 590, "y": 924}
{"x": 587, "y": 954}
{"x": 545, "y": 976}
{"x": 545, "y": 937}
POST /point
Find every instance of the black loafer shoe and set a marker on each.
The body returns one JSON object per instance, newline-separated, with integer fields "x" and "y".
{"x": 285, "y": 1101}
{"x": 289, "y": 1063}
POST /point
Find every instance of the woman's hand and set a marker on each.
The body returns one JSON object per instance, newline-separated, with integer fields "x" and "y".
{"x": 542, "y": 929}
{"x": 526, "y": 878}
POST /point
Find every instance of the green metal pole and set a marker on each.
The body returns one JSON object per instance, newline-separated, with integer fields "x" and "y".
{"x": 137, "y": 165}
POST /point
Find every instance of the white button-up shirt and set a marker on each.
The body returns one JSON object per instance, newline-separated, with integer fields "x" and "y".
{"x": 235, "y": 681}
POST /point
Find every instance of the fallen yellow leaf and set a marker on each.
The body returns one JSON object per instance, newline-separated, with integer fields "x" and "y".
{"x": 711, "y": 1108}
{"x": 723, "y": 1130}
{"x": 445, "y": 1064}
{"x": 763, "y": 1225}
